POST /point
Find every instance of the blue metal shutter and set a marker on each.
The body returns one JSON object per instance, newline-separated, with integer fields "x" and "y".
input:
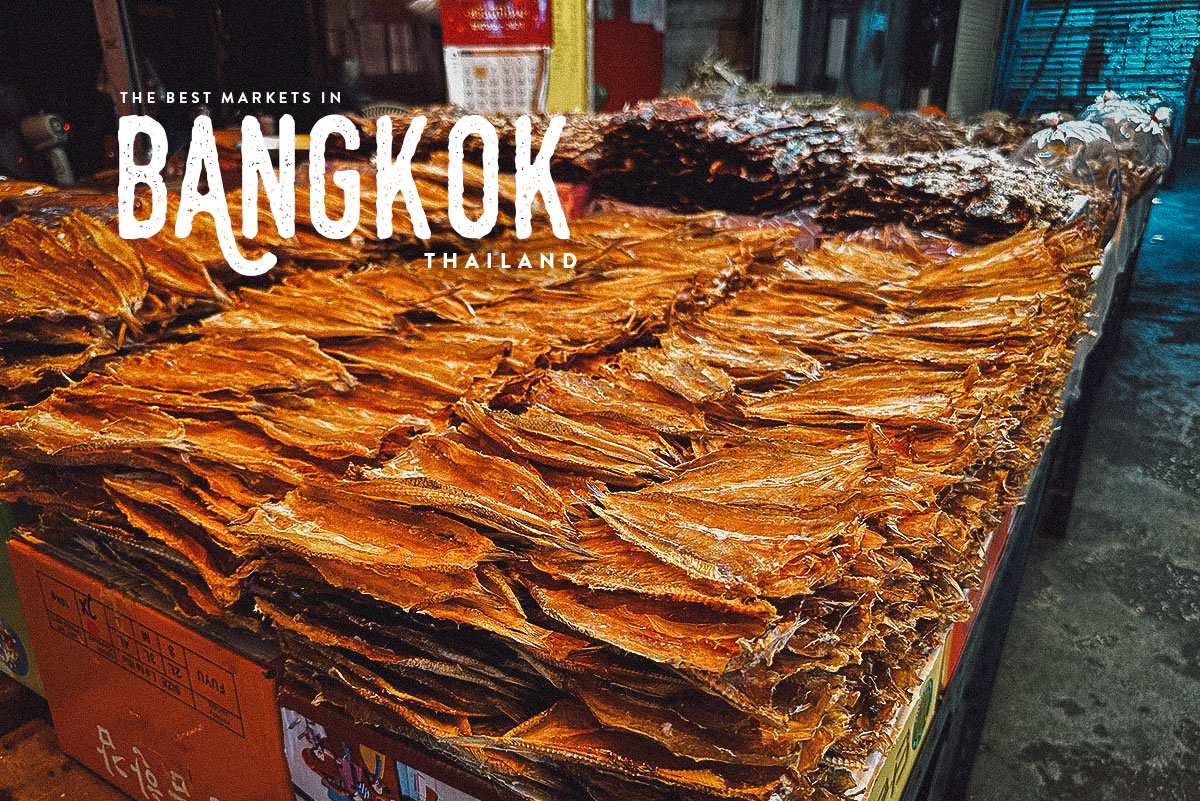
{"x": 1061, "y": 54}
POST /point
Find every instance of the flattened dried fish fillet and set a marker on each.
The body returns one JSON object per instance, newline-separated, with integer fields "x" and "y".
{"x": 335, "y": 524}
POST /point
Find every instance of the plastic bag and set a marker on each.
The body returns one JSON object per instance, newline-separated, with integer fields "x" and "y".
{"x": 1084, "y": 154}
{"x": 1137, "y": 133}
{"x": 1082, "y": 151}
{"x": 1148, "y": 100}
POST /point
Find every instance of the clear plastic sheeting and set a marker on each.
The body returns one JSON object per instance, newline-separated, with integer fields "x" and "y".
{"x": 1081, "y": 151}
{"x": 1148, "y": 100}
{"x": 1139, "y": 136}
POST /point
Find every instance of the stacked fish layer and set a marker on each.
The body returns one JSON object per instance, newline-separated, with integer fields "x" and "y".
{"x": 743, "y": 158}
{"x": 682, "y": 522}
{"x": 970, "y": 195}
{"x": 72, "y": 290}
{"x": 911, "y": 132}
{"x": 1005, "y": 134}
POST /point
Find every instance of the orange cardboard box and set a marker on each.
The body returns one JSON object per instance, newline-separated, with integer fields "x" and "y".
{"x": 330, "y": 756}
{"x": 159, "y": 709}
{"x": 994, "y": 549}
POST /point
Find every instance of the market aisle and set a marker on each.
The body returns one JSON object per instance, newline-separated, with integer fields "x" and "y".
{"x": 1098, "y": 696}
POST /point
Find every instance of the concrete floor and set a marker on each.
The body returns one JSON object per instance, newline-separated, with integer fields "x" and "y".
{"x": 1098, "y": 695}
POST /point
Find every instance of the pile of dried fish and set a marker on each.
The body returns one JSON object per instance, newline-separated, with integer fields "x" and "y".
{"x": 74, "y": 290}
{"x": 683, "y": 522}
{"x": 1005, "y": 134}
{"x": 910, "y": 132}
{"x": 577, "y": 148}
{"x": 969, "y": 195}
{"x": 1137, "y": 177}
{"x": 685, "y": 154}
{"x": 78, "y": 310}
{"x": 714, "y": 78}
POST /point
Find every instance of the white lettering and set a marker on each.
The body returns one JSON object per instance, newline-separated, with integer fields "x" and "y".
{"x": 347, "y": 180}
{"x": 396, "y": 176}
{"x": 534, "y": 178}
{"x": 464, "y": 226}
{"x": 280, "y": 189}
{"x": 132, "y": 174}
{"x": 202, "y": 160}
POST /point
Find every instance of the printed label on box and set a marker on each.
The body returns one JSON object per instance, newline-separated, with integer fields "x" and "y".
{"x": 891, "y": 777}
{"x": 137, "y": 764}
{"x": 158, "y": 661}
{"x": 17, "y": 658}
{"x": 326, "y": 768}
{"x": 14, "y": 659}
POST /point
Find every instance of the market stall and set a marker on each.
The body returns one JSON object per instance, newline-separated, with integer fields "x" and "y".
{"x": 683, "y": 506}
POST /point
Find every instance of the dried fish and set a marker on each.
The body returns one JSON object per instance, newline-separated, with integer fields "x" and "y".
{"x": 679, "y": 523}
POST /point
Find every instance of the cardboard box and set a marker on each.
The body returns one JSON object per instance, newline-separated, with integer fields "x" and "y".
{"x": 16, "y": 651}
{"x": 993, "y": 550}
{"x": 328, "y": 755}
{"x": 161, "y": 710}
{"x": 326, "y": 751}
{"x": 886, "y": 775}
{"x": 892, "y": 776}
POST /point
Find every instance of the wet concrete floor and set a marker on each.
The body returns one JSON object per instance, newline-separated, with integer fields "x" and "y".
{"x": 1098, "y": 695}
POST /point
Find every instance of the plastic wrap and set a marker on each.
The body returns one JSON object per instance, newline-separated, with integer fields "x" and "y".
{"x": 1135, "y": 131}
{"x": 1148, "y": 100}
{"x": 1080, "y": 150}
{"x": 1084, "y": 154}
